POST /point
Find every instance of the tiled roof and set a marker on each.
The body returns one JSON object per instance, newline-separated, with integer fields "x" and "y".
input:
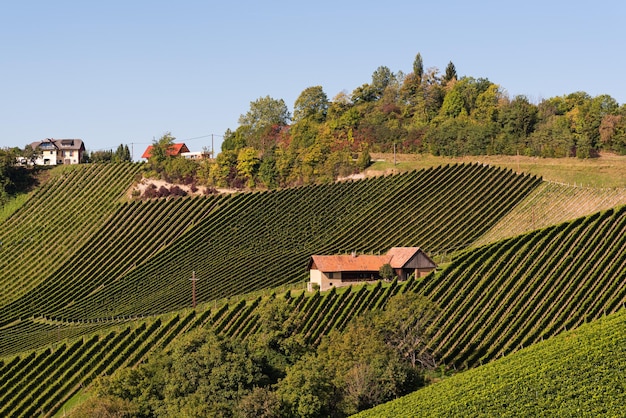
{"x": 348, "y": 262}
{"x": 397, "y": 257}
{"x": 175, "y": 149}
{"x": 64, "y": 144}
{"x": 401, "y": 255}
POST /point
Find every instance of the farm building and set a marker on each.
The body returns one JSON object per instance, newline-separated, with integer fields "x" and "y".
{"x": 327, "y": 271}
{"x": 174, "y": 151}
{"x": 59, "y": 151}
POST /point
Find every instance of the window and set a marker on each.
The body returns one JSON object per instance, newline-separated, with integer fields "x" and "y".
{"x": 331, "y": 275}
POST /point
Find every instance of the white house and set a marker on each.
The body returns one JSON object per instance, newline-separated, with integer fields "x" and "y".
{"x": 59, "y": 151}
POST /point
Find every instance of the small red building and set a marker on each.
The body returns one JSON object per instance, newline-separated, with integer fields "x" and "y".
{"x": 174, "y": 151}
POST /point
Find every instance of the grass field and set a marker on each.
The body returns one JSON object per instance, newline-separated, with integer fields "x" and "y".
{"x": 608, "y": 170}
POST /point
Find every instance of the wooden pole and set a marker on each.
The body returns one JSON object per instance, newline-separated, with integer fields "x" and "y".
{"x": 193, "y": 289}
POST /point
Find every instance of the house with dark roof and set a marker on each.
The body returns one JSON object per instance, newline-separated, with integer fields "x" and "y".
{"x": 174, "y": 150}
{"x": 328, "y": 271}
{"x": 59, "y": 151}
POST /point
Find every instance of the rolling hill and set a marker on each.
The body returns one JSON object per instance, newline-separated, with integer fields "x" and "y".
{"x": 118, "y": 289}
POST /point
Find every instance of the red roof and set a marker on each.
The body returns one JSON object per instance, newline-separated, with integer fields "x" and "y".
{"x": 173, "y": 151}
{"x": 348, "y": 262}
{"x": 401, "y": 255}
{"x": 397, "y": 257}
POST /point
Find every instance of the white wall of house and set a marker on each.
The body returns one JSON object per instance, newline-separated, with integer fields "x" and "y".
{"x": 48, "y": 157}
{"x": 57, "y": 157}
{"x": 324, "y": 280}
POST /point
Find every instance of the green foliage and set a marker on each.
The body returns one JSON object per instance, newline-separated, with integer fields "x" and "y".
{"x": 576, "y": 373}
{"x": 160, "y": 148}
{"x": 311, "y": 104}
{"x": 406, "y": 325}
{"x": 409, "y": 111}
{"x": 14, "y": 178}
{"x": 386, "y": 272}
{"x": 450, "y": 73}
{"x": 109, "y": 407}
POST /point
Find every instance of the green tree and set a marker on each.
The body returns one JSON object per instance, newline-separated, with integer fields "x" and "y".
{"x": 365, "y": 370}
{"x": 312, "y": 104}
{"x": 122, "y": 154}
{"x": 14, "y": 178}
{"x": 264, "y": 114}
{"x": 450, "y": 73}
{"x": 307, "y": 391}
{"x": 247, "y": 165}
{"x": 517, "y": 119}
{"x": 406, "y": 325}
{"x": 418, "y": 68}
{"x": 590, "y": 115}
{"x": 7, "y": 164}
{"x": 365, "y": 159}
{"x": 453, "y": 104}
{"x": 261, "y": 402}
{"x": 381, "y": 79}
{"x": 160, "y": 149}
{"x": 386, "y": 271}
{"x": 104, "y": 407}
{"x": 31, "y": 154}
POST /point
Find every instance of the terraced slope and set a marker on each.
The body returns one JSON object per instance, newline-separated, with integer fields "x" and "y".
{"x": 56, "y": 221}
{"x": 578, "y": 373}
{"x": 141, "y": 258}
{"x": 499, "y": 298}
{"x": 480, "y": 321}
{"x": 551, "y": 204}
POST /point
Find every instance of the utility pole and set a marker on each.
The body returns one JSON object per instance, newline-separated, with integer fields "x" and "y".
{"x": 193, "y": 289}
{"x": 394, "y": 154}
{"x": 212, "y": 150}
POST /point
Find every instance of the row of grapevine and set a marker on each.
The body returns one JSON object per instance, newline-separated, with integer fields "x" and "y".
{"x": 529, "y": 288}
{"x": 66, "y": 211}
{"x": 550, "y": 204}
{"x": 482, "y": 318}
{"x": 276, "y": 232}
{"x": 40, "y": 382}
{"x": 575, "y": 374}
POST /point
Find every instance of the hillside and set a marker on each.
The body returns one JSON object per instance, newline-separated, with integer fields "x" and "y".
{"x": 94, "y": 310}
{"x": 606, "y": 171}
{"x": 578, "y": 373}
{"x": 265, "y": 237}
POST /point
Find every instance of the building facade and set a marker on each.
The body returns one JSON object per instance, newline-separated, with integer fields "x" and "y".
{"x": 59, "y": 151}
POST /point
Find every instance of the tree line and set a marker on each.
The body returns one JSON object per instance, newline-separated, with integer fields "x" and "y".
{"x": 419, "y": 112}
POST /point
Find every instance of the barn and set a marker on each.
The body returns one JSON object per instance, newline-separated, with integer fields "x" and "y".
{"x": 328, "y": 271}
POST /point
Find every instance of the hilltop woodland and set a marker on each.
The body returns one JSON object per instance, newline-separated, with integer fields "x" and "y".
{"x": 420, "y": 112}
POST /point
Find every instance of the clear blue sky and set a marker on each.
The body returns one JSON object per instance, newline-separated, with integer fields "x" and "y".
{"x": 114, "y": 72}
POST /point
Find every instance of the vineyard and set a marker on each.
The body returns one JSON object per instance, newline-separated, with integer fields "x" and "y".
{"x": 121, "y": 290}
{"x": 579, "y": 373}
{"x": 245, "y": 242}
{"x": 550, "y": 204}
